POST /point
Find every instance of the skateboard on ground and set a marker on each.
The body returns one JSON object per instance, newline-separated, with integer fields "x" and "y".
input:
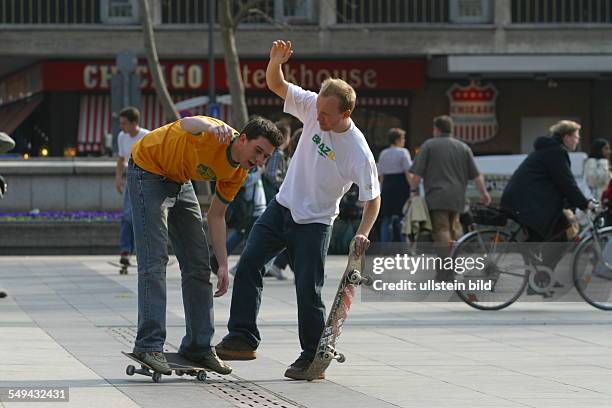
{"x": 123, "y": 269}
{"x": 178, "y": 364}
{"x": 326, "y": 350}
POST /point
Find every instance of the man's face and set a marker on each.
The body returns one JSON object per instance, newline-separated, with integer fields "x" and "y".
{"x": 127, "y": 126}
{"x": 328, "y": 112}
{"x": 571, "y": 140}
{"x": 253, "y": 152}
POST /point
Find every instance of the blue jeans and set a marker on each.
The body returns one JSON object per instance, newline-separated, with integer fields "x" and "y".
{"x": 154, "y": 224}
{"x": 306, "y": 246}
{"x": 390, "y": 229}
{"x": 126, "y": 235}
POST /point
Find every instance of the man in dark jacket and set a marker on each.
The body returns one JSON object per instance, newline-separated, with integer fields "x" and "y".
{"x": 543, "y": 184}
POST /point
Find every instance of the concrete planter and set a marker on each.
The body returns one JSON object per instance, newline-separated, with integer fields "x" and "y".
{"x": 59, "y": 238}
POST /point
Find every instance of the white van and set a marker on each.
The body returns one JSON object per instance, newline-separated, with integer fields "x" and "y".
{"x": 497, "y": 170}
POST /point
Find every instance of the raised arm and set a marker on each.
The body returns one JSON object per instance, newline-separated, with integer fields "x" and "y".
{"x": 279, "y": 54}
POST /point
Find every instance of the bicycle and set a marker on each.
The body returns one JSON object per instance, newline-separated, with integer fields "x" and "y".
{"x": 591, "y": 273}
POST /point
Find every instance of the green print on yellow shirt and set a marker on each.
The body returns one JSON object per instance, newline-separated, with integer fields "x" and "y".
{"x": 206, "y": 172}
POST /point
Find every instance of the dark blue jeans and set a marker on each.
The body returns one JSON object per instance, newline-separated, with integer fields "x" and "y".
{"x": 126, "y": 235}
{"x": 162, "y": 210}
{"x": 306, "y": 246}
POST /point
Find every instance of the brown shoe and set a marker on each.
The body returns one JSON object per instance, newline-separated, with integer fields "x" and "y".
{"x": 235, "y": 349}
{"x": 298, "y": 369}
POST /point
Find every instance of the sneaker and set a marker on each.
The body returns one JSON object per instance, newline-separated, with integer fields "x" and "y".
{"x": 211, "y": 361}
{"x": 235, "y": 349}
{"x": 124, "y": 259}
{"x": 297, "y": 370}
{"x": 156, "y": 360}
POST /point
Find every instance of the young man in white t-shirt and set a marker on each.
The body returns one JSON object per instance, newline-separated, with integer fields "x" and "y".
{"x": 331, "y": 155}
{"x": 131, "y": 132}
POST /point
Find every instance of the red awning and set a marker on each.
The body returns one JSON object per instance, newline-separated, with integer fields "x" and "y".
{"x": 13, "y": 115}
{"x": 95, "y": 118}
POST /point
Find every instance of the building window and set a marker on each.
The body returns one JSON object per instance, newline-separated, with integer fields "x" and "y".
{"x": 294, "y": 11}
{"x": 470, "y": 11}
{"x": 120, "y": 11}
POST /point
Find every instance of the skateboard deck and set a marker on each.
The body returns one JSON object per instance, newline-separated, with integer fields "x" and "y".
{"x": 338, "y": 313}
{"x": 178, "y": 364}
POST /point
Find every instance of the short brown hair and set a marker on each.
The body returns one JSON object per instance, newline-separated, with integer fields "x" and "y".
{"x": 564, "y": 127}
{"x": 341, "y": 90}
{"x": 131, "y": 113}
{"x": 395, "y": 133}
{"x": 260, "y": 127}
{"x": 444, "y": 124}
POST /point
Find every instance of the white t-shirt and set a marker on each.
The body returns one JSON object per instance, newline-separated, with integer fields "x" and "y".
{"x": 125, "y": 142}
{"x": 324, "y": 165}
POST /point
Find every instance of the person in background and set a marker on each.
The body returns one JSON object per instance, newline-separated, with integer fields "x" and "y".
{"x": 6, "y": 145}
{"x": 131, "y": 132}
{"x": 394, "y": 174}
{"x": 597, "y": 168}
{"x": 276, "y": 168}
{"x": 446, "y": 165}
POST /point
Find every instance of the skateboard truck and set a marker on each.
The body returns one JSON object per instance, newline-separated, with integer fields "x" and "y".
{"x": 332, "y": 354}
{"x": 131, "y": 370}
{"x": 354, "y": 278}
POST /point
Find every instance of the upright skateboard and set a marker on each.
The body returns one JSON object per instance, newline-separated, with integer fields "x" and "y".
{"x": 178, "y": 364}
{"x": 326, "y": 350}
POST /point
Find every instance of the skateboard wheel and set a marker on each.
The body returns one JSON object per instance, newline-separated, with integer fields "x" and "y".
{"x": 354, "y": 277}
{"x": 130, "y": 370}
{"x": 201, "y": 376}
{"x": 327, "y": 356}
{"x": 341, "y": 359}
{"x": 179, "y": 372}
{"x": 156, "y": 377}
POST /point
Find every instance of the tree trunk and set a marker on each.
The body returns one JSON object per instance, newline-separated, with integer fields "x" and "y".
{"x": 170, "y": 112}
{"x": 240, "y": 113}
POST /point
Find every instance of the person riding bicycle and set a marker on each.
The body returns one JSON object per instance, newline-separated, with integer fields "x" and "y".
{"x": 543, "y": 185}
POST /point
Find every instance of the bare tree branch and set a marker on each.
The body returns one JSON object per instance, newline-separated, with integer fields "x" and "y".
{"x": 159, "y": 82}
{"x": 245, "y": 10}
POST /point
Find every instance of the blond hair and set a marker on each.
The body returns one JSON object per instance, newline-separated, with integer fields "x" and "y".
{"x": 341, "y": 90}
{"x": 564, "y": 127}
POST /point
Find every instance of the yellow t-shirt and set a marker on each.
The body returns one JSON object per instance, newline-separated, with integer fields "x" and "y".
{"x": 172, "y": 152}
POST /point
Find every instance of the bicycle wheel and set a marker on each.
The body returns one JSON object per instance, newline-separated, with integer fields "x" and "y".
{"x": 592, "y": 278}
{"x": 504, "y": 276}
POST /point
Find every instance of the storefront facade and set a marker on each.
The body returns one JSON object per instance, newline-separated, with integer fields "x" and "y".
{"x": 82, "y": 89}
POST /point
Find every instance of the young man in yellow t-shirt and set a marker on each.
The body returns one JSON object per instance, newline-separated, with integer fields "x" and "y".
{"x": 164, "y": 205}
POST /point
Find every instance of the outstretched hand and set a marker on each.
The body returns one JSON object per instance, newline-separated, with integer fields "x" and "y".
{"x": 281, "y": 51}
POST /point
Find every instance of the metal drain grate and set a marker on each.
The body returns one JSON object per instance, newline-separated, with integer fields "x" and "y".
{"x": 125, "y": 335}
{"x": 231, "y": 388}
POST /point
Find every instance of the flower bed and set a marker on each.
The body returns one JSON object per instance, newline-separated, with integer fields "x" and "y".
{"x": 60, "y": 216}
{"x": 59, "y": 233}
